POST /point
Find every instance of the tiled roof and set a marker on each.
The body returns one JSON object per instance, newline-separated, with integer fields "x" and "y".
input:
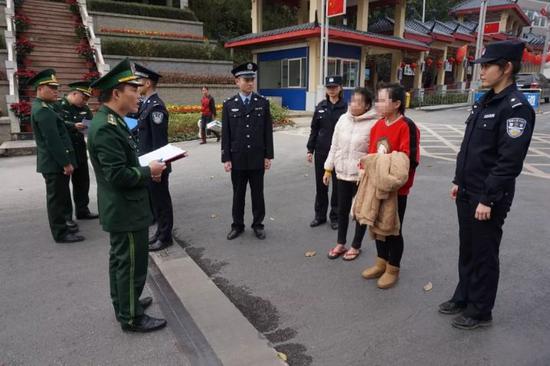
{"x": 475, "y": 4}
{"x": 312, "y": 26}
{"x": 464, "y": 28}
{"x": 533, "y": 39}
{"x": 386, "y": 24}
{"x": 439, "y": 27}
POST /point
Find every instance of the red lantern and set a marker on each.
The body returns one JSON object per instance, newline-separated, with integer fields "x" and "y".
{"x": 471, "y": 58}
{"x": 537, "y": 59}
{"x": 402, "y": 65}
{"x": 413, "y": 66}
{"x": 429, "y": 62}
{"x": 531, "y": 58}
{"x": 525, "y": 56}
{"x": 461, "y": 53}
{"x": 451, "y": 60}
{"x": 548, "y": 57}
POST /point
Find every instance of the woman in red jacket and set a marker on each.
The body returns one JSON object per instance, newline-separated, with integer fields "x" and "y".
{"x": 393, "y": 132}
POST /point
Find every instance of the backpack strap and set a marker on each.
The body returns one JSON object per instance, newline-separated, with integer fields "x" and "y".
{"x": 413, "y": 142}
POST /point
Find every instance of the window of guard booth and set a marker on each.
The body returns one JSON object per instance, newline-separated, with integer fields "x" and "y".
{"x": 293, "y": 73}
{"x": 350, "y": 73}
{"x": 269, "y": 74}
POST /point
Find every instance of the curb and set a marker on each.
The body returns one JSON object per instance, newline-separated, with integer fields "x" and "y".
{"x": 234, "y": 340}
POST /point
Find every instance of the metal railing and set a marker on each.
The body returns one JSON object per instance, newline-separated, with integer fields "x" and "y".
{"x": 433, "y": 98}
{"x": 95, "y": 43}
{"x": 11, "y": 65}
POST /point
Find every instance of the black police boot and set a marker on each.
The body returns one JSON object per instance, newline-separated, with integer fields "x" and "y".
{"x": 146, "y": 302}
{"x": 259, "y": 232}
{"x": 73, "y": 229}
{"x": 469, "y": 323}
{"x": 70, "y": 223}
{"x": 144, "y": 324}
{"x": 316, "y": 222}
{"x": 334, "y": 225}
{"x": 159, "y": 245}
{"x": 234, "y": 233}
{"x": 450, "y": 307}
{"x": 70, "y": 238}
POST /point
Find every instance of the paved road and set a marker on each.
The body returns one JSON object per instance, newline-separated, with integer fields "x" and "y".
{"x": 319, "y": 312}
{"x": 322, "y": 312}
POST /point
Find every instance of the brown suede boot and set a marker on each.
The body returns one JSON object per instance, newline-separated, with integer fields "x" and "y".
{"x": 389, "y": 278}
{"x": 375, "y": 271}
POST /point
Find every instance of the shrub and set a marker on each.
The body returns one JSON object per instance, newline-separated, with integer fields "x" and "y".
{"x": 439, "y": 99}
{"x": 176, "y": 78}
{"x": 140, "y": 10}
{"x": 148, "y": 48}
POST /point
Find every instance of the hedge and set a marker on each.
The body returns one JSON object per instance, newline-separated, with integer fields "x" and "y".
{"x": 150, "y": 48}
{"x": 140, "y": 10}
{"x": 439, "y": 99}
{"x": 183, "y": 126}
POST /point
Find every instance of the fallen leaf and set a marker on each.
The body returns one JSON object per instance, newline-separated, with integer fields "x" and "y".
{"x": 213, "y": 216}
{"x": 282, "y": 356}
{"x": 428, "y": 287}
{"x": 311, "y": 253}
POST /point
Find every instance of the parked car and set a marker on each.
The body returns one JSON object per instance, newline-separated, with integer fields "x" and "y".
{"x": 534, "y": 81}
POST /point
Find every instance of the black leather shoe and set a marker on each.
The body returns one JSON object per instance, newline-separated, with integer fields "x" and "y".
{"x": 146, "y": 302}
{"x": 159, "y": 245}
{"x": 450, "y": 307}
{"x": 71, "y": 238}
{"x": 71, "y": 223}
{"x": 234, "y": 233}
{"x": 334, "y": 225}
{"x": 72, "y": 229}
{"x": 260, "y": 233}
{"x": 87, "y": 216}
{"x": 144, "y": 324}
{"x": 467, "y": 323}
{"x": 317, "y": 222}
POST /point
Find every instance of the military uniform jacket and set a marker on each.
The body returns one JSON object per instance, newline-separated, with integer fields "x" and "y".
{"x": 152, "y": 124}
{"x": 123, "y": 198}
{"x": 53, "y": 145}
{"x": 72, "y": 115}
{"x": 325, "y": 117}
{"x": 247, "y": 132}
{"x": 497, "y": 137}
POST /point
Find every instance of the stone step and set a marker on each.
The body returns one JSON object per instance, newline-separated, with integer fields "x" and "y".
{"x": 18, "y": 147}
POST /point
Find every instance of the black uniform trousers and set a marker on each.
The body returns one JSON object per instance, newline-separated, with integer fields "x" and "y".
{"x": 346, "y": 192}
{"x": 81, "y": 183}
{"x": 239, "y": 179}
{"x": 58, "y": 198}
{"x": 161, "y": 203}
{"x": 478, "y": 261}
{"x": 321, "y": 196}
{"x": 391, "y": 250}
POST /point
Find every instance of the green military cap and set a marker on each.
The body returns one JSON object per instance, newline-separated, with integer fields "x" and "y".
{"x": 121, "y": 73}
{"x": 44, "y": 77}
{"x": 82, "y": 86}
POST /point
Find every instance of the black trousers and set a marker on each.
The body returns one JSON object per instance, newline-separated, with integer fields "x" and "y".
{"x": 478, "y": 261}
{"x": 392, "y": 249}
{"x": 346, "y": 192}
{"x": 58, "y": 198}
{"x": 240, "y": 178}
{"x": 204, "y": 121}
{"x": 321, "y": 195}
{"x": 81, "y": 186}
{"x": 161, "y": 203}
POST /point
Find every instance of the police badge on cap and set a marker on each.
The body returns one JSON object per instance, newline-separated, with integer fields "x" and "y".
{"x": 247, "y": 70}
{"x": 334, "y": 80}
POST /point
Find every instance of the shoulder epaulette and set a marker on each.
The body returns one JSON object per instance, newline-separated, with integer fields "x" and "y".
{"x": 111, "y": 119}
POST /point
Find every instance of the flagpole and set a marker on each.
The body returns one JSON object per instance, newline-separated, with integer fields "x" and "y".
{"x": 321, "y": 43}
{"x": 327, "y": 22}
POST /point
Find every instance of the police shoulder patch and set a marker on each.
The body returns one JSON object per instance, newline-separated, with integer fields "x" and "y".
{"x": 515, "y": 127}
{"x": 157, "y": 117}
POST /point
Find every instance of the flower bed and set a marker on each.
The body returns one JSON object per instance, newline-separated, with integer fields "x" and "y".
{"x": 142, "y": 48}
{"x": 173, "y": 78}
{"x": 140, "y": 10}
{"x": 173, "y": 108}
{"x": 138, "y": 32}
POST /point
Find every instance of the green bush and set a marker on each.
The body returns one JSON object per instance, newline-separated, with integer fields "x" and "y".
{"x": 439, "y": 99}
{"x": 149, "y": 48}
{"x": 183, "y": 126}
{"x": 140, "y": 9}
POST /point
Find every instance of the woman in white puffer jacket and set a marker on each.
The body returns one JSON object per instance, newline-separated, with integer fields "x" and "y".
{"x": 350, "y": 142}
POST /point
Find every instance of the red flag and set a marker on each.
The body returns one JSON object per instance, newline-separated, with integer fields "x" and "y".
{"x": 336, "y": 7}
{"x": 461, "y": 53}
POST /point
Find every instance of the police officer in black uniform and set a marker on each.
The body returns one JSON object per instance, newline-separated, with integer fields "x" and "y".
{"x": 496, "y": 140}
{"x": 247, "y": 148}
{"x": 325, "y": 117}
{"x": 153, "y": 134}
{"x": 74, "y": 110}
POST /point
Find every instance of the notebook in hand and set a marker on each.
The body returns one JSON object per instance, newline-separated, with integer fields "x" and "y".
{"x": 166, "y": 154}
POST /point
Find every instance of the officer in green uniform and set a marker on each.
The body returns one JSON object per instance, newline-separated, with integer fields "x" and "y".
{"x": 74, "y": 110}
{"x": 55, "y": 154}
{"x": 123, "y": 199}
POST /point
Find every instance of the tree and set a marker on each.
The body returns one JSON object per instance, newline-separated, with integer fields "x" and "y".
{"x": 435, "y": 9}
